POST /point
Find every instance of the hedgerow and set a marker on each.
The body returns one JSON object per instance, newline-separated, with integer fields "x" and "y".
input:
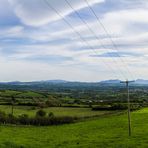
{"x": 39, "y": 120}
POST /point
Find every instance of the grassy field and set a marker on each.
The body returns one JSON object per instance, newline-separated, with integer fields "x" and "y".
{"x": 104, "y": 132}
{"x": 58, "y": 111}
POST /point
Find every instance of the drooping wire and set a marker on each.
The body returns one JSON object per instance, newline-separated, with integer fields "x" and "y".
{"x": 76, "y": 32}
{"x": 95, "y": 35}
{"x": 113, "y": 43}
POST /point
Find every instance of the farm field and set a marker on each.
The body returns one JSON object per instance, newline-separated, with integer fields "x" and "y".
{"x": 57, "y": 111}
{"x": 109, "y": 131}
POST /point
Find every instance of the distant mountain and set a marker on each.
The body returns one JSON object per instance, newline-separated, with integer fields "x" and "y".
{"x": 116, "y": 81}
{"x": 58, "y": 81}
{"x": 12, "y": 83}
{"x": 55, "y": 81}
{"x": 62, "y": 84}
{"x": 141, "y": 81}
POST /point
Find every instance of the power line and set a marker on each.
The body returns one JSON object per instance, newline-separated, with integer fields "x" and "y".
{"x": 77, "y": 33}
{"x": 113, "y": 43}
{"x": 91, "y": 30}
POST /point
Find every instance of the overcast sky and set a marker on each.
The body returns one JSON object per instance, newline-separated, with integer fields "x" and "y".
{"x": 37, "y": 44}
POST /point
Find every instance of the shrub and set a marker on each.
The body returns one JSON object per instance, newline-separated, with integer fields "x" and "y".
{"x": 119, "y": 106}
{"x": 135, "y": 107}
{"x": 24, "y": 119}
{"x": 33, "y": 108}
{"x": 52, "y": 102}
{"x": 40, "y": 113}
{"x": 11, "y": 119}
{"x": 2, "y": 117}
{"x": 41, "y": 105}
{"x": 115, "y": 106}
{"x": 51, "y": 115}
{"x": 39, "y": 120}
{"x": 62, "y": 120}
{"x": 100, "y": 108}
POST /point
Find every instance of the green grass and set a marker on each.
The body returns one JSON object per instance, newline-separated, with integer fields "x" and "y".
{"x": 30, "y": 94}
{"x": 58, "y": 111}
{"x": 9, "y": 93}
{"x": 19, "y": 95}
{"x": 104, "y": 132}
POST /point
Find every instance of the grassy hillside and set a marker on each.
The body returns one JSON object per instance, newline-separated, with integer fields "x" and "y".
{"x": 110, "y": 132}
{"x": 20, "y": 97}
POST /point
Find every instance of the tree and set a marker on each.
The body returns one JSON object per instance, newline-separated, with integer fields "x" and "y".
{"x": 40, "y": 113}
{"x": 52, "y": 102}
{"x": 50, "y": 115}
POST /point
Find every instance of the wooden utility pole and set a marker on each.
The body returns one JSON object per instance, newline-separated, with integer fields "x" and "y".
{"x": 12, "y": 104}
{"x": 128, "y": 102}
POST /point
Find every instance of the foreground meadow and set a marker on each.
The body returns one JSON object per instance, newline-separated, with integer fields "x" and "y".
{"x": 109, "y": 131}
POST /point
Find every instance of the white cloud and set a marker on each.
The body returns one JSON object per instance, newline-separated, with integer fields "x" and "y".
{"x": 15, "y": 31}
{"x": 55, "y": 38}
{"x": 37, "y": 12}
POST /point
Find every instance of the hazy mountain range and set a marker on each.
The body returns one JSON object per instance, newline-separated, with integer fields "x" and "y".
{"x": 115, "y": 81}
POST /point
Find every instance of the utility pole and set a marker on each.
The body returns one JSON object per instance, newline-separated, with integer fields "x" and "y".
{"x": 128, "y": 102}
{"x": 12, "y": 104}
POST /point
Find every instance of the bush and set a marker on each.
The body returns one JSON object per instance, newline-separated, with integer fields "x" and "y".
{"x": 2, "y": 117}
{"x": 41, "y": 105}
{"x": 111, "y": 107}
{"x": 100, "y": 108}
{"x": 51, "y": 115}
{"x": 119, "y": 106}
{"x": 24, "y": 119}
{"x": 62, "y": 120}
{"x": 11, "y": 119}
{"x": 38, "y": 120}
{"x": 135, "y": 107}
{"x": 40, "y": 113}
{"x": 33, "y": 108}
{"x": 52, "y": 102}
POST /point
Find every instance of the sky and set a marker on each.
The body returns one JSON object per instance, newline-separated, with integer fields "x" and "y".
{"x": 63, "y": 39}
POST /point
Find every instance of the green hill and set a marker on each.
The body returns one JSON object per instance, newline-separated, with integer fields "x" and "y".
{"x": 104, "y": 132}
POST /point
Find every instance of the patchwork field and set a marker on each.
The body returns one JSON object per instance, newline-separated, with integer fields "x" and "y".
{"x": 109, "y": 131}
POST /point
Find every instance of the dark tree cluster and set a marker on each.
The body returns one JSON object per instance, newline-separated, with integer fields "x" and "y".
{"x": 39, "y": 120}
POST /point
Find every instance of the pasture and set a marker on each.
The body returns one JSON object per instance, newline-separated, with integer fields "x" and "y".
{"x": 57, "y": 111}
{"x": 108, "y": 131}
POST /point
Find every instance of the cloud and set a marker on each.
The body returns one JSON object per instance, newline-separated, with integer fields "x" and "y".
{"x": 37, "y": 12}
{"x": 44, "y": 47}
{"x": 118, "y": 54}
